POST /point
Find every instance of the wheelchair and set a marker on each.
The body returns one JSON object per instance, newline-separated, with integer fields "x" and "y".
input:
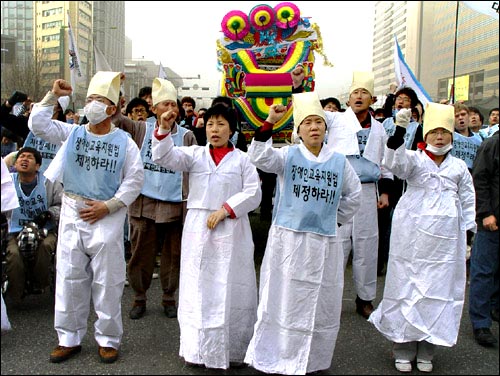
{"x": 28, "y": 241}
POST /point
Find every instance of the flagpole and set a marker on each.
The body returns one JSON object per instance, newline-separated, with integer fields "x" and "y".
{"x": 452, "y": 96}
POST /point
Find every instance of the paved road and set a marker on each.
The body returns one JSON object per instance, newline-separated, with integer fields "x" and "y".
{"x": 150, "y": 345}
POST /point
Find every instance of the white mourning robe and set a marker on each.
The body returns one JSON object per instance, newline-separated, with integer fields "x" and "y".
{"x": 426, "y": 274}
{"x": 217, "y": 287}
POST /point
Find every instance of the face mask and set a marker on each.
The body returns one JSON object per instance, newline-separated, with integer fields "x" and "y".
{"x": 95, "y": 112}
{"x": 70, "y": 121}
{"x": 439, "y": 151}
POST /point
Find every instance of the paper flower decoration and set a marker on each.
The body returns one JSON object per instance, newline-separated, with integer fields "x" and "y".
{"x": 262, "y": 17}
{"x": 287, "y": 15}
{"x": 235, "y": 25}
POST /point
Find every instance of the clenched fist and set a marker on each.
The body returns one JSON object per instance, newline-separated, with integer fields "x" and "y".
{"x": 167, "y": 120}
{"x": 276, "y": 113}
{"x": 403, "y": 117}
{"x": 298, "y": 76}
{"x": 61, "y": 88}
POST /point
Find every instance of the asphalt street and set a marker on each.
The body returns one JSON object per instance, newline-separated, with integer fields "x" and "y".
{"x": 150, "y": 345}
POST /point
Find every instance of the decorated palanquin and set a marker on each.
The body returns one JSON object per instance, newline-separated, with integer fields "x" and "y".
{"x": 256, "y": 54}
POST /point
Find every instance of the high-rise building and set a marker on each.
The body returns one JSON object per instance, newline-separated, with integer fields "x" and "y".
{"x": 17, "y": 22}
{"x": 35, "y": 36}
{"x": 426, "y": 34}
{"x": 109, "y": 31}
{"x": 52, "y": 39}
{"x": 93, "y": 23}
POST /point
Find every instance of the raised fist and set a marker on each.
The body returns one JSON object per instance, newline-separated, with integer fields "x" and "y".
{"x": 298, "y": 76}
{"x": 17, "y": 97}
{"x": 403, "y": 117}
{"x": 167, "y": 120}
{"x": 276, "y": 113}
{"x": 61, "y": 88}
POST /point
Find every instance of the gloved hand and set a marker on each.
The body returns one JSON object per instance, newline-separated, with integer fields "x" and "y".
{"x": 403, "y": 117}
{"x": 17, "y": 97}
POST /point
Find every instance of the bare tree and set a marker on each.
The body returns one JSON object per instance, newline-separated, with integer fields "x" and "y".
{"x": 27, "y": 75}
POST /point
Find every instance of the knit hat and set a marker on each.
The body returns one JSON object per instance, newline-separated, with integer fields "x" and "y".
{"x": 106, "y": 84}
{"x": 63, "y": 102}
{"x": 163, "y": 90}
{"x": 439, "y": 116}
{"x": 362, "y": 80}
{"x": 304, "y": 105}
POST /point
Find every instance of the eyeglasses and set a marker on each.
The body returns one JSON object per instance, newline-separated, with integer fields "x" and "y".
{"x": 404, "y": 99}
{"x": 436, "y": 132}
{"x": 139, "y": 111}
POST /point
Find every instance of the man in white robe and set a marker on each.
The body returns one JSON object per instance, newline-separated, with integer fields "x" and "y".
{"x": 102, "y": 173}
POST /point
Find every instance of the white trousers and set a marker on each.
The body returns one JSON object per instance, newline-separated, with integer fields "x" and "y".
{"x": 361, "y": 236}
{"x": 90, "y": 265}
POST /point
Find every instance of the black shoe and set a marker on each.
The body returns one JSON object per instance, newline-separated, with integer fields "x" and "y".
{"x": 494, "y": 315}
{"x": 364, "y": 307}
{"x": 170, "y": 311}
{"x": 237, "y": 365}
{"x": 484, "y": 337}
{"x": 137, "y": 311}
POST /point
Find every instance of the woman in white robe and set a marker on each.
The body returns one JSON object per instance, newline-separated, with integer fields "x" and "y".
{"x": 302, "y": 274}
{"x": 426, "y": 274}
{"x": 218, "y": 287}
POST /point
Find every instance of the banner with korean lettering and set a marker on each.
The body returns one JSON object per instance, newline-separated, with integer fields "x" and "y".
{"x": 405, "y": 76}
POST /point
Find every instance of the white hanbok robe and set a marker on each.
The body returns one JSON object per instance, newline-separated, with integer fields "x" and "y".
{"x": 217, "y": 286}
{"x": 426, "y": 273}
{"x": 301, "y": 281}
{"x": 361, "y": 234}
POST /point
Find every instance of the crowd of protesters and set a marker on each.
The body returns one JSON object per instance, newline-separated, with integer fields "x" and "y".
{"x": 407, "y": 191}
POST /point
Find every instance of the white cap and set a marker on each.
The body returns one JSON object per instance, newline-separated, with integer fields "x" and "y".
{"x": 439, "y": 116}
{"x": 304, "y": 105}
{"x": 163, "y": 90}
{"x": 362, "y": 80}
{"x": 63, "y": 102}
{"x": 106, "y": 84}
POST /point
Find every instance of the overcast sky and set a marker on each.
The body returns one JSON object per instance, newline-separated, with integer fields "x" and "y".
{"x": 182, "y": 35}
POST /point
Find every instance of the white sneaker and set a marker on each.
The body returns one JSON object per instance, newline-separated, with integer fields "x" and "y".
{"x": 403, "y": 365}
{"x": 424, "y": 365}
{"x": 155, "y": 275}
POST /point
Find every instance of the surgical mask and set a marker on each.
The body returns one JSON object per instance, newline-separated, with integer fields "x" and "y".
{"x": 70, "y": 121}
{"x": 95, "y": 112}
{"x": 439, "y": 151}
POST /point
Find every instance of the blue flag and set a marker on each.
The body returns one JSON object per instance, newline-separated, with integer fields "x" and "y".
{"x": 405, "y": 76}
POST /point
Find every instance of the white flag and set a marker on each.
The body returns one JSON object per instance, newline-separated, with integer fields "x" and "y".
{"x": 161, "y": 72}
{"x": 490, "y": 8}
{"x": 75, "y": 67}
{"x": 405, "y": 76}
{"x": 101, "y": 64}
